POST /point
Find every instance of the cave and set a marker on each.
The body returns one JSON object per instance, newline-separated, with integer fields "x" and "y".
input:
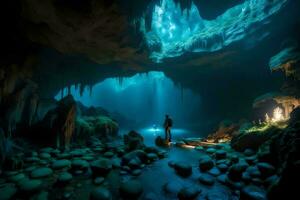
{"x": 150, "y": 99}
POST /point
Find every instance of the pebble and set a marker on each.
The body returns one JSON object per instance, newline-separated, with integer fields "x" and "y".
{"x": 41, "y": 172}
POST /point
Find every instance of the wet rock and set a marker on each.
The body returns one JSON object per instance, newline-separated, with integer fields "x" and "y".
{"x": 41, "y": 172}
{"x": 222, "y": 178}
{"x": 136, "y": 172}
{"x": 101, "y": 167}
{"x": 253, "y": 193}
{"x": 235, "y": 171}
{"x": 80, "y": 165}
{"x": 183, "y": 169}
{"x": 251, "y": 160}
{"x": 214, "y": 171}
{"x": 206, "y": 163}
{"x": 150, "y": 196}
{"x": 64, "y": 177}
{"x": 134, "y": 154}
{"x": 246, "y": 177}
{"x": 100, "y": 193}
{"x": 116, "y": 162}
{"x": 44, "y": 155}
{"x": 220, "y": 154}
{"x": 60, "y": 164}
{"x": 108, "y": 154}
{"x": 32, "y": 159}
{"x": 30, "y": 186}
{"x": 219, "y": 194}
{"x": 199, "y": 148}
{"x": 249, "y": 152}
{"x": 235, "y": 158}
{"x": 271, "y": 180}
{"x": 253, "y": 172}
{"x": 222, "y": 167}
{"x": 134, "y": 140}
{"x": 206, "y": 179}
{"x": 266, "y": 169}
{"x": 135, "y": 163}
{"x": 152, "y": 157}
{"x": 131, "y": 189}
{"x": 210, "y": 150}
{"x": 172, "y": 187}
{"x": 16, "y": 178}
{"x": 64, "y": 156}
{"x": 160, "y": 142}
{"x": 7, "y": 191}
{"x": 98, "y": 180}
{"x": 171, "y": 163}
{"x": 188, "y": 193}
{"x": 43, "y": 195}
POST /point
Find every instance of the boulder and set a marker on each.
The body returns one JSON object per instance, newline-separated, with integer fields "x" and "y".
{"x": 172, "y": 187}
{"x": 188, "y": 193}
{"x": 131, "y": 189}
{"x": 206, "y": 163}
{"x": 220, "y": 154}
{"x": 235, "y": 171}
{"x": 100, "y": 193}
{"x": 30, "y": 186}
{"x": 252, "y": 192}
{"x": 134, "y": 154}
{"x": 183, "y": 169}
{"x": 206, "y": 179}
{"x": 60, "y": 164}
{"x": 101, "y": 167}
{"x": 7, "y": 191}
{"x": 134, "y": 140}
{"x": 64, "y": 177}
{"x": 41, "y": 172}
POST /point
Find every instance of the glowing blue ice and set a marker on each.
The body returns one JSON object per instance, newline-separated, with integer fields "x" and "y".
{"x": 174, "y": 32}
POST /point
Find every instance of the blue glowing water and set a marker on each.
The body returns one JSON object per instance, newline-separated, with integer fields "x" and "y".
{"x": 174, "y": 32}
{"x": 144, "y": 98}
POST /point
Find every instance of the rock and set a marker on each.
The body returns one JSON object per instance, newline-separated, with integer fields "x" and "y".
{"x": 249, "y": 152}
{"x": 16, "y": 178}
{"x": 131, "y": 189}
{"x": 100, "y": 193}
{"x": 98, "y": 180}
{"x": 135, "y": 163}
{"x": 44, "y": 155}
{"x": 222, "y": 178}
{"x": 160, "y": 142}
{"x": 152, "y": 157}
{"x": 188, "y": 193}
{"x": 108, "y": 154}
{"x": 235, "y": 171}
{"x": 199, "y": 148}
{"x": 235, "y": 158}
{"x": 171, "y": 163}
{"x": 206, "y": 163}
{"x": 214, "y": 171}
{"x": 253, "y": 172}
{"x": 220, "y": 154}
{"x": 251, "y": 160}
{"x": 7, "y": 191}
{"x": 134, "y": 140}
{"x": 172, "y": 187}
{"x": 64, "y": 177}
{"x": 136, "y": 172}
{"x": 183, "y": 169}
{"x": 206, "y": 179}
{"x": 32, "y": 159}
{"x": 222, "y": 167}
{"x": 43, "y": 195}
{"x": 133, "y": 154}
{"x": 210, "y": 150}
{"x": 59, "y": 164}
{"x": 41, "y": 172}
{"x": 150, "y": 196}
{"x": 80, "y": 165}
{"x": 253, "y": 193}
{"x": 30, "y": 186}
{"x": 219, "y": 194}
{"x": 116, "y": 162}
{"x": 246, "y": 177}
{"x": 101, "y": 167}
{"x": 266, "y": 169}
{"x": 271, "y": 180}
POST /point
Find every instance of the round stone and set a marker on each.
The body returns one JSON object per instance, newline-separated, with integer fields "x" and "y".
{"x": 253, "y": 193}
{"x": 210, "y": 150}
{"x": 266, "y": 169}
{"x": 187, "y": 193}
{"x": 136, "y": 172}
{"x": 206, "y": 179}
{"x": 100, "y": 193}
{"x": 152, "y": 157}
{"x": 183, "y": 169}
{"x": 7, "y": 191}
{"x": 131, "y": 189}
{"x": 29, "y": 186}
{"x": 17, "y": 177}
{"x": 206, "y": 164}
{"x": 220, "y": 154}
{"x": 108, "y": 154}
{"x": 172, "y": 187}
{"x": 101, "y": 167}
{"x": 64, "y": 177}
{"x": 41, "y": 172}
{"x": 98, "y": 180}
{"x": 80, "y": 164}
{"x": 222, "y": 167}
{"x": 59, "y": 164}
{"x": 45, "y": 156}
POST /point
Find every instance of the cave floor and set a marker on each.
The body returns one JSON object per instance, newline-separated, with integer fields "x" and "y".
{"x": 42, "y": 177}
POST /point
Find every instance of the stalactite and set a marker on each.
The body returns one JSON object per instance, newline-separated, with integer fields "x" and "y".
{"x": 81, "y": 89}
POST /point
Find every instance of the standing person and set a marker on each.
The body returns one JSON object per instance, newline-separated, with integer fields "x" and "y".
{"x": 168, "y": 124}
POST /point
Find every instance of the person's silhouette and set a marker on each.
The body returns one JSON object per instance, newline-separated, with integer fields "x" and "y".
{"x": 168, "y": 124}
